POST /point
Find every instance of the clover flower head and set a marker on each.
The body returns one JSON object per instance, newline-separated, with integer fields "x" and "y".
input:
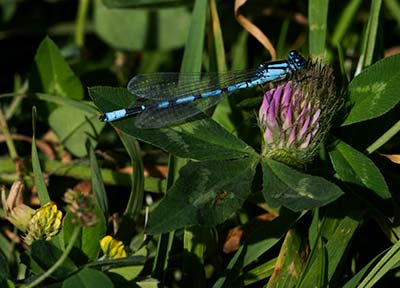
{"x": 295, "y": 116}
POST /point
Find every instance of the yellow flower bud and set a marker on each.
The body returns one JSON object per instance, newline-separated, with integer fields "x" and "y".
{"x": 44, "y": 224}
{"x": 112, "y": 248}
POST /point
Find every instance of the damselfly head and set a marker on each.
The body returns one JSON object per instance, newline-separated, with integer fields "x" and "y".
{"x": 297, "y": 60}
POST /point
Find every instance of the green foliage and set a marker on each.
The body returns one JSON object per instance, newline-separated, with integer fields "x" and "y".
{"x": 375, "y": 91}
{"x": 88, "y": 278}
{"x": 334, "y": 232}
{"x": 388, "y": 261}
{"x": 73, "y": 127}
{"x": 206, "y": 193}
{"x": 290, "y": 262}
{"x": 295, "y": 190}
{"x": 51, "y": 73}
{"x": 223, "y": 215}
{"x": 44, "y": 254}
{"x": 97, "y": 181}
{"x": 318, "y": 13}
{"x": 354, "y": 167}
{"x": 85, "y": 243}
{"x": 4, "y": 269}
{"x": 148, "y": 29}
{"x": 37, "y": 171}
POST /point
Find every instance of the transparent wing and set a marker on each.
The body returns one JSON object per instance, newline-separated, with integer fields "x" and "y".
{"x": 167, "y": 86}
{"x": 176, "y": 114}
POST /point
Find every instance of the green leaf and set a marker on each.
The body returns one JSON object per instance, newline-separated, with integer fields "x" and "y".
{"x": 295, "y": 190}
{"x": 46, "y": 255}
{"x": 74, "y": 127}
{"x": 375, "y": 90}
{"x": 336, "y": 231}
{"x": 149, "y": 283}
{"x": 354, "y": 167}
{"x": 131, "y": 272}
{"x": 138, "y": 29}
{"x": 201, "y": 139}
{"x": 51, "y": 73}
{"x": 206, "y": 193}
{"x": 291, "y": 261}
{"x": 88, "y": 278}
{"x": 89, "y": 241}
{"x": 78, "y": 104}
{"x": 90, "y": 236}
{"x": 135, "y": 203}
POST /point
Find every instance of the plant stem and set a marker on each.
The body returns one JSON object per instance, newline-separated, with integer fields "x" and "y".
{"x": 384, "y": 138}
{"x": 7, "y": 136}
{"x": 10, "y": 144}
{"x": 80, "y": 23}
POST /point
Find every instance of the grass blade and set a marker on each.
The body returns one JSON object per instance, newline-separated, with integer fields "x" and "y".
{"x": 135, "y": 202}
{"x": 317, "y": 14}
{"x": 97, "y": 181}
{"x": 43, "y": 194}
{"x": 345, "y": 21}
{"x": 391, "y": 258}
{"x": 368, "y": 46}
{"x": 223, "y": 112}
{"x": 384, "y": 138}
{"x": 193, "y": 54}
{"x": 393, "y": 8}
